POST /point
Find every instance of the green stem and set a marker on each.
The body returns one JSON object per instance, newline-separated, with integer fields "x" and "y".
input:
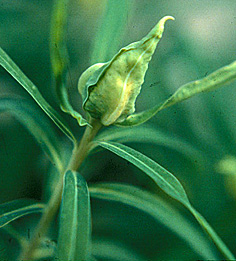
{"x": 79, "y": 154}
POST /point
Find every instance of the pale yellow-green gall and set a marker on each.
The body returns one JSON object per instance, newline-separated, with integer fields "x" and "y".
{"x": 109, "y": 90}
{"x": 86, "y": 75}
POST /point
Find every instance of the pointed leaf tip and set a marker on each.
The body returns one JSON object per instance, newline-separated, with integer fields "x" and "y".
{"x": 168, "y": 17}
{"x": 164, "y": 19}
{"x": 159, "y": 28}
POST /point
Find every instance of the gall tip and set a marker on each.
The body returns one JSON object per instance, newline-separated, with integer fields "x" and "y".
{"x": 166, "y": 18}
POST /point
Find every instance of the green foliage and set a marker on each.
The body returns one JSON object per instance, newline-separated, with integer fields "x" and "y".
{"x": 60, "y": 59}
{"x": 148, "y": 134}
{"x": 109, "y": 250}
{"x": 75, "y": 219}
{"x": 165, "y": 180}
{"x": 168, "y": 183}
{"x": 13, "y": 210}
{"x": 159, "y": 210}
{"x": 7, "y": 63}
{"x": 106, "y": 41}
{"x": 42, "y": 131}
{"x": 211, "y": 82}
{"x": 125, "y": 221}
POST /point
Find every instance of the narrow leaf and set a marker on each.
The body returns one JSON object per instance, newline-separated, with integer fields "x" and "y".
{"x": 223, "y": 76}
{"x": 168, "y": 183}
{"x": 75, "y": 219}
{"x": 60, "y": 58}
{"x": 13, "y": 210}
{"x": 107, "y": 39}
{"x": 148, "y": 134}
{"x": 165, "y": 180}
{"x": 159, "y": 209}
{"x": 106, "y": 249}
{"x": 7, "y": 63}
{"x": 34, "y": 120}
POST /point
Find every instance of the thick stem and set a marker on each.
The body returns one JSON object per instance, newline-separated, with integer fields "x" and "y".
{"x": 79, "y": 154}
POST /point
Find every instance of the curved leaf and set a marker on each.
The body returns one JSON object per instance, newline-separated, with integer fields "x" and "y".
{"x": 59, "y": 57}
{"x": 168, "y": 183}
{"x": 222, "y": 76}
{"x": 104, "y": 249}
{"x": 165, "y": 180}
{"x": 159, "y": 209}
{"x": 148, "y": 134}
{"x": 37, "y": 125}
{"x": 75, "y": 219}
{"x": 7, "y": 63}
{"x": 106, "y": 41}
{"x": 13, "y": 210}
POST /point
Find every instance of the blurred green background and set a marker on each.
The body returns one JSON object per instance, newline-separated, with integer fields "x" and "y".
{"x": 200, "y": 40}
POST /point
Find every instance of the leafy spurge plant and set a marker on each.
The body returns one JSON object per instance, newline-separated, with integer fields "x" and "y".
{"x": 109, "y": 91}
